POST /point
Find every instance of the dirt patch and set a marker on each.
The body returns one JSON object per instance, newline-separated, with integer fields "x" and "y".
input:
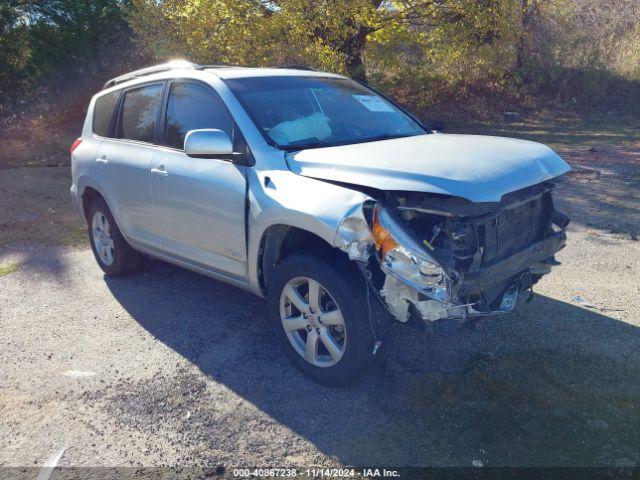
{"x": 37, "y": 141}
{"x": 36, "y": 208}
{"x": 619, "y": 160}
{"x": 562, "y": 130}
{"x": 602, "y": 189}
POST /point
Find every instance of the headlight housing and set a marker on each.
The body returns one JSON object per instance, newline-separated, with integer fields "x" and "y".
{"x": 402, "y": 257}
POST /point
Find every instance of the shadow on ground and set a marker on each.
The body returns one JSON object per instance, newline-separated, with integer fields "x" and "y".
{"x": 553, "y": 385}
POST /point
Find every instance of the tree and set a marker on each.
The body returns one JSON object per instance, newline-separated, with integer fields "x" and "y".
{"x": 330, "y": 34}
{"x": 14, "y": 50}
{"x": 72, "y": 32}
{"x": 55, "y": 40}
{"x": 215, "y": 31}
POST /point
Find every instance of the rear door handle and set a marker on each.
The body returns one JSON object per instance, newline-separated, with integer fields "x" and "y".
{"x": 102, "y": 159}
{"x": 160, "y": 171}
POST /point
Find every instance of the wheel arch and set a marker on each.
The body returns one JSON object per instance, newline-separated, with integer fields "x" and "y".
{"x": 88, "y": 190}
{"x": 89, "y": 194}
{"x": 280, "y": 241}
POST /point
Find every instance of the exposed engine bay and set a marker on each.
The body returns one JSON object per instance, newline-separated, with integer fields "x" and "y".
{"x": 437, "y": 257}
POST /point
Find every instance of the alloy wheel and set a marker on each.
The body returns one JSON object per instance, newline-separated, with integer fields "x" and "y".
{"x": 102, "y": 239}
{"x": 313, "y": 322}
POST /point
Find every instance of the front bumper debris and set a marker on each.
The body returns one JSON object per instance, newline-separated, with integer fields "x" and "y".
{"x": 487, "y": 278}
{"x": 487, "y": 253}
{"x": 402, "y": 301}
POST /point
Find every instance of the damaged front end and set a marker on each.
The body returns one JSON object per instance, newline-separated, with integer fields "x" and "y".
{"x": 436, "y": 257}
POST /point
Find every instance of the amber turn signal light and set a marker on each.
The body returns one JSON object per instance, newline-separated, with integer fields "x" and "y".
{"x": 381, "y": 236}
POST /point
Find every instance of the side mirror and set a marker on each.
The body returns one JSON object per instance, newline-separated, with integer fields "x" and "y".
{"x": 208, "y": 143}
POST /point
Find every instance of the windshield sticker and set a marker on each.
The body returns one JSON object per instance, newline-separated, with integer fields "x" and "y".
{"x": 373, "y": 103}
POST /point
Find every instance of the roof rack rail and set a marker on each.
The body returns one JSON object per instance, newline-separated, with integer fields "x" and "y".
{"x": 224, "y": 65}
{"x": 163, "y": 67}
{"x": 297, "y": 67}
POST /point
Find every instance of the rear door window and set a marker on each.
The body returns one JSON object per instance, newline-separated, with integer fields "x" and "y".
{"x": 139, "y": 113}
{"x": 103, "y": 113}
{"x": 190, "y": 107}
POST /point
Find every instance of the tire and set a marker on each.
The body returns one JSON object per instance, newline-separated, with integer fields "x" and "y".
{"x": 120, "y": 258}
{"x": 342, "y": 286}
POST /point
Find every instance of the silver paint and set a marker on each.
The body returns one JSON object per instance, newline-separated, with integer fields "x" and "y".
{"x": 478, "y": 168}
{"x": 207, "y": 142}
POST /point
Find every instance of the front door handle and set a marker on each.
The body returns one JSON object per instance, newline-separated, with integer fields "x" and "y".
{"x": 160, "y": 171}
{"x": 102, "y": 159}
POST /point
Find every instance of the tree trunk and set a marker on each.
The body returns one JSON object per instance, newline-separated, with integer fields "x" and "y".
{"x": 353, "y": 48}
{"x": 529, "y": 12}
{"x": 355, "y": 67}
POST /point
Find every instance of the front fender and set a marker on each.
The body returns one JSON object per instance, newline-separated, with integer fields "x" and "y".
{"x": 283, "y": 198}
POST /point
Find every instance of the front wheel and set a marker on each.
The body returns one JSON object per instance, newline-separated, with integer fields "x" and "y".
{"x": 321, "y": 316}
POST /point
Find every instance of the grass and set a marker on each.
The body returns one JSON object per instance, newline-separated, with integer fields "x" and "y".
{"x": 9, "y": 268}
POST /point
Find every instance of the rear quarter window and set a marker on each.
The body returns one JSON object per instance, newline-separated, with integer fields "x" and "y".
{"x": 139, "y": 113}
{"x": 103, "y": 113}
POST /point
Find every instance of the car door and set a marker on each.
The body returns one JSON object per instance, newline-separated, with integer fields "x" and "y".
{"x": 199, "y": 202}
{"x": 124, "y": 163}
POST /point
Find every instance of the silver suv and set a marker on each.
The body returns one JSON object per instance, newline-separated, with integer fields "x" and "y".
{"x": 318, "y": 193}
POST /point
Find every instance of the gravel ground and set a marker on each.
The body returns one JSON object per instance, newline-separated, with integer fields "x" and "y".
{"x": 169, "y": 368}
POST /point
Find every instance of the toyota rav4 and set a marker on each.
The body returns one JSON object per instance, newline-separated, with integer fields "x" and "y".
{"x": 319, "y": 194}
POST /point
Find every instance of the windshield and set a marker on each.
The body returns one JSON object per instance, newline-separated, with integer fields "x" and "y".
{"x": 307, "y": 112}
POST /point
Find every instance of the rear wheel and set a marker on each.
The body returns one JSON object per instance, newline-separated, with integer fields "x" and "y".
{"x": 112, "y": 252}
{"x": 320, "y": 314}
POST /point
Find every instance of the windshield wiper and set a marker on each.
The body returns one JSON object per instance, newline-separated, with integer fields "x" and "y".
{"x": 385, "y": 136}
{"x": 311, "y": 142}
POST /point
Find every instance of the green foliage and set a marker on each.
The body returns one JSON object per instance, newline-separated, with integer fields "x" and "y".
{"x": 69, "y": 32}
{"x": 40, "y": 39}
{"x": 8, "y": 268}
{"x": 329, "y": 34}
{"x": 216, "y": 31}
{"x": 482, "y": 55}
{"x": 14, "y": 49}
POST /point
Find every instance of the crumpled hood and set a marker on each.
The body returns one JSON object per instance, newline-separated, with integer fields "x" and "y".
{"x": 478, "y": 168}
